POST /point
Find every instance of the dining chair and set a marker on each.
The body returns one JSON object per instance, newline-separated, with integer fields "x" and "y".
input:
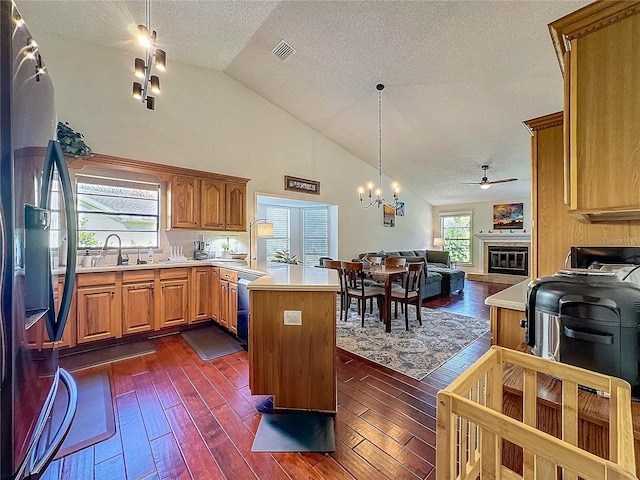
{"x": 373, "y": 260}
{"x": 395, "y": 261}
{"x": 409, "y": 292}
{"x": 337, "y": 265}
{"x": 354, "y": 287}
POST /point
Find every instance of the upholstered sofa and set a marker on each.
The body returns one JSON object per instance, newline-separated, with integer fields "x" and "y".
{"x": 440, "y": 278}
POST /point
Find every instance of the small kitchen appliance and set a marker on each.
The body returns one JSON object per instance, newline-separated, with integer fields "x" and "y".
{"x": 199, "y": 250}
{"x": 587, "y": 318}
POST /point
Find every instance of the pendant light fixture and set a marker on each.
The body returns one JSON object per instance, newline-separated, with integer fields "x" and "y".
{"x": 378, "y": 200}
{"x": 154, "y": 57}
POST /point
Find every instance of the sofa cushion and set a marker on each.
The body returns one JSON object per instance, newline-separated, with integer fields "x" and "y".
{"x": 437, "y": 265}
{"x": 438, "y": 256}
{"x": 420, "y": 253}
{"x": 393, "y": 254}
{"x": 414, "y": 259}
{"x": 407, "y": 253}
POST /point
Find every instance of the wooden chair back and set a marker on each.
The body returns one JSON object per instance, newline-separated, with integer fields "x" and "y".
{"x": 413, "y": 279}
{"x": 352, "y": 274}
{"x": 374, "y": 260}
{"x": 395, "y": 261}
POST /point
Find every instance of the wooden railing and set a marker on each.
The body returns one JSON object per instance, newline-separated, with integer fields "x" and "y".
{"x": 471, "y": 427}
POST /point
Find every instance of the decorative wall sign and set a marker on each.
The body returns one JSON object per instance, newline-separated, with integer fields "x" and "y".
{"x": 301, "y": 185}
{"x": 388, "y": 216}
{"x": 400, "y": 209}
{"x": 508, "y": 216}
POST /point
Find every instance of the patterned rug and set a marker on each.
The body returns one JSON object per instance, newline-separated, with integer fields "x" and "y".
{"x": 416, "y": 352}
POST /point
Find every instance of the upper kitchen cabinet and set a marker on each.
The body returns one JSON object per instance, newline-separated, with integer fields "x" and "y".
{"x": 597, "y": 47}
{"x": 206, "y": 203}
{"x": 236, "y": 199}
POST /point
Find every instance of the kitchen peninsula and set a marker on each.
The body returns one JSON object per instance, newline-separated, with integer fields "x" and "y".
{"x": 292, "y": 356}
{"x": 292, "y": 336}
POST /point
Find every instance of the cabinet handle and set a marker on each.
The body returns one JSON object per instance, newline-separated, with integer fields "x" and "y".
{"x": 113, "y": 293}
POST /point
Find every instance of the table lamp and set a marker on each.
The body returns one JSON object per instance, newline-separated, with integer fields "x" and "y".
{"x": 439, "y": 242}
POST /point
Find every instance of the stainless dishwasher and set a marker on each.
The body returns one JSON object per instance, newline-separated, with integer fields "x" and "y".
{"x": 244, "y": 279}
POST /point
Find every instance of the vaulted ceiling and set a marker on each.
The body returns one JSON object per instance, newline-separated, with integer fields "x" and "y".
{"x": 460, "y": 76}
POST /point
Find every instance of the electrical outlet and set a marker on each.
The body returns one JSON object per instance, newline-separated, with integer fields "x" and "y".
{"x": 292, "y": 317}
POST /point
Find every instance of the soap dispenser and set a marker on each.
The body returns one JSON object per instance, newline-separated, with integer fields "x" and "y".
{"x": 86, "y": 259}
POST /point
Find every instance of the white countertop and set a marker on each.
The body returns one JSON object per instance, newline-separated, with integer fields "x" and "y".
{"x": 513, "y": 298}
{"x": 273, "y": 276}
{"x": 281, "y": 276}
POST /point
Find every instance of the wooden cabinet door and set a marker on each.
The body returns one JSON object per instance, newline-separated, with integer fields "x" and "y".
{"x": 235, "y": 206}
{"x": 201, "y": 279}
{"x": 224, "y": 303}
{"x": 212, "y": 205}
{"x": 233, "y": 308}
{"x": 184, "y": 201}
{"x": 174, "y": 302}
{"x": 138, "y": 307}
{"x": 215, "y": 294}
{"x": 98, "y": 313}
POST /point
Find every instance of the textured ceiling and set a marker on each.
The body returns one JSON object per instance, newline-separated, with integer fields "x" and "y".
{"x": 460, "y": 76}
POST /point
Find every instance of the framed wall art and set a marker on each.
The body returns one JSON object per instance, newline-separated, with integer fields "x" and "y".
{"x": 388, "y": 216}
{"x": 508, "y": 216}
{"x": 301, "y": 185}
{"x": 400, "y": 209}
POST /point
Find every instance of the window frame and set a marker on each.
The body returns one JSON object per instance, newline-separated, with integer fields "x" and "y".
{"x": 469, "y": 214}
{"x": 112, "y": 181}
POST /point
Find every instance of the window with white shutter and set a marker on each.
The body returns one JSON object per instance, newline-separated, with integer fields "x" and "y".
{"x": 280, "y": 217}
{"x": 315, "y": 242}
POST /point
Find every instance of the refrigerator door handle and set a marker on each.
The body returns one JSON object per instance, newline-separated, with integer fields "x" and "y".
{"x": 55, "y": 158}
{"x": 3, "y": 270}
{"x": 43, "y": 462}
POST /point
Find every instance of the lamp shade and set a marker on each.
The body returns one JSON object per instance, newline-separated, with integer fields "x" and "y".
{"x": 264, "y": 229}
{"x": 438, "y": 242}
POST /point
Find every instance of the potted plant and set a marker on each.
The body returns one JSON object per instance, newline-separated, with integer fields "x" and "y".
{"x": 283, "y": 256}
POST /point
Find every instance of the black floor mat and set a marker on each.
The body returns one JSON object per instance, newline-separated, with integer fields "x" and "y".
{"x": 295, "y": 432}
{"x": 211, "y": 342}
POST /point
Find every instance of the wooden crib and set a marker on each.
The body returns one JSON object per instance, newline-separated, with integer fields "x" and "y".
{"x": 471, "y": 427}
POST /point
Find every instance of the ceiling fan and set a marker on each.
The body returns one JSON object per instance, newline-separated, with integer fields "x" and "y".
{"x": 485, "y": 183}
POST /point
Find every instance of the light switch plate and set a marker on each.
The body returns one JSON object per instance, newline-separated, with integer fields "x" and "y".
{"x": 292, "y": 317}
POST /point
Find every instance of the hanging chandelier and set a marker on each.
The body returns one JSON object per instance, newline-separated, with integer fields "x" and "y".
{"x": 377, "y": 199}
{"x": 154, "y": 57}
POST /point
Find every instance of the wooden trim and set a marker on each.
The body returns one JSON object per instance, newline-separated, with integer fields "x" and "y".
{"x": 572, "y": 144}
{"x": 566, "y": 130}
{"x": 163, "y": 172}
{"x": 585, "y": 21}
{"x": 546, "y": 121}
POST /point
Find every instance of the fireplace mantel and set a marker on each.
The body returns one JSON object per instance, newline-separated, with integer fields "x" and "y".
{"x": 503, "y": 237}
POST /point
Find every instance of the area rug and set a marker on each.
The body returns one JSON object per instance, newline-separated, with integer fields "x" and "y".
{"x": 102, "y": 356}
{"x": 211, "y": 342}
{"x": 416, "y": 352}
{"x": 94, "y": 420}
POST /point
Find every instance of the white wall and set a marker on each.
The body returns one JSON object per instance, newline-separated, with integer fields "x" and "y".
{"x": 482, "y": 217}
{"x": 205, "y": 120}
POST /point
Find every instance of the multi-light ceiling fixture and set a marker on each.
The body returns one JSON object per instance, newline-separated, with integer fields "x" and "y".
{"x": 154, "y": 57}
{"x": 378, "y": 200}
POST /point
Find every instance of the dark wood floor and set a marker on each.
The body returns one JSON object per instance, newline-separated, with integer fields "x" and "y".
{"x": 178, "y": 417}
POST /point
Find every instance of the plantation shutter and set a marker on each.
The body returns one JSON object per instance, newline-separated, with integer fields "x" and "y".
{"x": 279, "y": 216}
{"x": 315, "y": 242}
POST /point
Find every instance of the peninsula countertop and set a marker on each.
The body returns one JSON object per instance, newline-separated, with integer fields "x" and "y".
{"x": 513, "y": 298}
{"x": 282, "y": 276}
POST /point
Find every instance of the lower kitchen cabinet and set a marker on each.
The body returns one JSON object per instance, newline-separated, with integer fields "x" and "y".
{"x": 174, "y": 297}
{"x": 138, "y": 302}
{"x": 229, "y": 300}
{"x": 99, "y": 307}
{"x": 201, "y": 281}
{"x": 37, "y": 336}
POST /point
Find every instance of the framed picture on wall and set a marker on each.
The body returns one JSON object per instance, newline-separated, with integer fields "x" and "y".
{"x": 400, "y": 209}
{"x": 388, "y": 216}
{"x": 508, "y": 216}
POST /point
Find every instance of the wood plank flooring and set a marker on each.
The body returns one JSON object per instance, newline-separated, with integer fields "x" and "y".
{"x": 178, "y": 417}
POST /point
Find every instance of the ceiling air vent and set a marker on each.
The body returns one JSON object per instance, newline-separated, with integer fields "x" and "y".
{"x": 283, "y": 50}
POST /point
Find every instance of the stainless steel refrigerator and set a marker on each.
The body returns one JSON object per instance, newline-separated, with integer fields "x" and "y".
{"x": 37, "y": 230}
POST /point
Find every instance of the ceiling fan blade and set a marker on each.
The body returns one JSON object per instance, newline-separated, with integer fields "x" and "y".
{"x": 470, "y": 183}
{"x": 505, "y": 180}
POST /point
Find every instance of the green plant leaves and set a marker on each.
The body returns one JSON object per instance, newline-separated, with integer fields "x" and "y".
{"x": 71, "y": 141}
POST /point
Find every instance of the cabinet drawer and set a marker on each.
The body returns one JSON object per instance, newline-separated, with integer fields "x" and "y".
{"x": 133, "y": 276}
{"x": 168, "y": 273}
{"x": 229, "y": 275}
{"x": 102, "y": 278}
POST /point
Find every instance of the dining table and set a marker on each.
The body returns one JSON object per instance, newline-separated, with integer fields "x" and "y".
{"x": 388, "y": 274}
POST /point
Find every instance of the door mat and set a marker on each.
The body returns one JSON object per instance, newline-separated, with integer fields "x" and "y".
{"x": 211, "y": 342}
{"x": 295, "y": 432}
{"x": 94, "y": 420}
{"x": 102, "y": 356}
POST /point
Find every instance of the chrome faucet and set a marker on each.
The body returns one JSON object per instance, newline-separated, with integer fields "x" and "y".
{"x": 122, "y": 260}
